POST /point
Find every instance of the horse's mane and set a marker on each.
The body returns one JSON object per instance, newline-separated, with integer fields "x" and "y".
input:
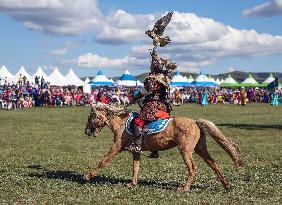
{"x": 111, "y": 110}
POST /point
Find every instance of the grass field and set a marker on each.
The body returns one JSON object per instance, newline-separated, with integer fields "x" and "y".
{"x": 44, "y": 152}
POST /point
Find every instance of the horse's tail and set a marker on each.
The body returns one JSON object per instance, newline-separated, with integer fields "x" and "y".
{"x": 209, "y": 128}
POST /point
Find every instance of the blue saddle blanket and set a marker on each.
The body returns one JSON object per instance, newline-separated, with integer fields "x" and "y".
{"x": 151, "y": 128}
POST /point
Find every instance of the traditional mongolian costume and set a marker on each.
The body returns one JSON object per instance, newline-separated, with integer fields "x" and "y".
{"x": 274, "y": 98}
{"x": 243, "y": 95}
{"x": 204, "y": 100}
{"x": 155, "y": 103}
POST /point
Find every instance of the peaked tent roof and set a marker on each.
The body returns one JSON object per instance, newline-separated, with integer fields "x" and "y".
{"x": 73, "y": 79}
{"x": 229, "y": 82}
{"x": 190, "y": 79}
{"x": 40, "y": 73}
{"x": 87, "y": 80}
{"x": 100, "y": 80}
{"x": 211, "y": 78}
{"x": 179, "y": 80}
{"x": 127, "y": 76}
{"x": 56, "y": 78}
{"x": 268, "y": 80}
{"x": 218, "y": 81}
{"x": 24, "y": 73}
{"x": 203, "y": 80}
{"x": 5, "y": 73}
{"x": 249, "y": 81}
{"x": 128, "y": 80}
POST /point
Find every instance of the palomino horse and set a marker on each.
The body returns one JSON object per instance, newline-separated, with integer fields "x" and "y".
{"x": 187, "y": 134}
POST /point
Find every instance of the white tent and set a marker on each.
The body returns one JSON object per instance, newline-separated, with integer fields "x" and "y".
{"x": 249, "y": 81}
{"x": 179, "y": 81}
{"x": 24, "y": 73}
{"x": 128, "y": 80}
{"x": 56, "y": 78}
{"x": 190, "y": 79}
{"x": 101, "y": 80}
{"x": 40, "y": 73}
{"x": 73, "y": 79}
{"x": 203, "y": 80}
{"x": 218, "y": 81}
{"x": 269, "y": 79}
{"x": 211, "y": 79}
{"x": 87, "y": 86}
{"x": 229, "y": 82}
{"x": 5, "y": 74}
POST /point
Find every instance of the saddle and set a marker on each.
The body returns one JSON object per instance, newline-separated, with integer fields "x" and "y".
{"x": 152, "y": 128}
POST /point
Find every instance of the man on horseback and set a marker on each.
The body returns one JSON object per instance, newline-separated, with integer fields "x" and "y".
{"x": 155, "y": 105}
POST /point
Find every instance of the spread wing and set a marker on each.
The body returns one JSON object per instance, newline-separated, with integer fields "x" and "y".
{"x": 160, "y": 25}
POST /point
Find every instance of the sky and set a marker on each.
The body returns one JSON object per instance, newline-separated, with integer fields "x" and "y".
{"x": 216, "y": 36}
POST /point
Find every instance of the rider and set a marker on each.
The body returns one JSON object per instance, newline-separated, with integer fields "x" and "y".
{"x": 155, "y": 104}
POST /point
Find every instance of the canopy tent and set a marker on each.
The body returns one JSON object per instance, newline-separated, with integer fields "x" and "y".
{"x": 217, "y": 81}
{"x": 86, "y": 86}
{"x": 5, "y": 74}
{"x": 73, "y": 79}
{"x": 190, "y": 79}
{"x": 56, "y": 78}
{"x": 229, "y": 82}
{"x": 211, "y": 78}
{"x": 23, "y": 72}
{"x": 179, "y": 81}
{"x": 249, "y": 82}
{"x": 268, "y": 80}
{"x": 203, "y": 80}
{"x": 101, "y": 80}
{"x": 128, "y": 80}
{"x": 40, "y": 73}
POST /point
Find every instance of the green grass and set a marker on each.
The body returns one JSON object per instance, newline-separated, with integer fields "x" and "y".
{"x": 54, "y": 140}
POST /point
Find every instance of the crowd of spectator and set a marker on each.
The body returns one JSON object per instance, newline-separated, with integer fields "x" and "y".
{"x": 25, "y": 95}
{"x": 223, "y": 96}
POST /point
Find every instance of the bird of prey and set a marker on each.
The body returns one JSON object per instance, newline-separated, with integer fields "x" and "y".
{"x": 158, "y": 31}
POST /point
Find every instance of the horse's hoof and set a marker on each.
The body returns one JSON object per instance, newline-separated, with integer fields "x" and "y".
{"x": 87, "y": 177}
{"x": 130, "y": 185}
{"x": 228, "y": 187}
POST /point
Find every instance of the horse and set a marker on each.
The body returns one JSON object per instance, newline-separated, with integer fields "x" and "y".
{"x": 125, "y": 100}
{"x": 187, "y": 134}
{"x": 115, "y": 100}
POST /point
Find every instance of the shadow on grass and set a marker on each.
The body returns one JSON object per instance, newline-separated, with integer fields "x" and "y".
{"x": 251, "y": 126}
{"x": 102, "y": 179}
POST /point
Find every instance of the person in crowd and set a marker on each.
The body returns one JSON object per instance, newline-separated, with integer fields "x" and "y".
{"x": 204, "y": 99}
{"x": 274, "y": 98}
{"x": 243, "y": 96}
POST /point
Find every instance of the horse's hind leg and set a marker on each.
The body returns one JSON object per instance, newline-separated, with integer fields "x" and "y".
{"x": 136, "y": 160}
{"x": 186, "y": 150}
{"x": 116, "y": 148}
{"x": 202, "y": 151}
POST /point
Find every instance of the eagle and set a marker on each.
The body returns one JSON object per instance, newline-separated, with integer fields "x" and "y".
{"x": 158, "y": 31}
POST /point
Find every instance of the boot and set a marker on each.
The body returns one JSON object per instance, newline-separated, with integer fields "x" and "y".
{"x": 135, "y": 146}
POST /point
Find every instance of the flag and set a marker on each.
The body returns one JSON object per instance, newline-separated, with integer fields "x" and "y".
{"x": 273, "y": 84}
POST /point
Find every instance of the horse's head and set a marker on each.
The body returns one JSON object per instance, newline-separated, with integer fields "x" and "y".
{"x": 101, "y": 114}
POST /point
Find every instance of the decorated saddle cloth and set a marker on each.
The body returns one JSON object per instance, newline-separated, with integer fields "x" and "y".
{"x": 151, "y": 128}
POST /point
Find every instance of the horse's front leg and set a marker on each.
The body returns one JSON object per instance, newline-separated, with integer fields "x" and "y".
{"x": 136, "y": 160}
{"x": 116, "y": 148}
